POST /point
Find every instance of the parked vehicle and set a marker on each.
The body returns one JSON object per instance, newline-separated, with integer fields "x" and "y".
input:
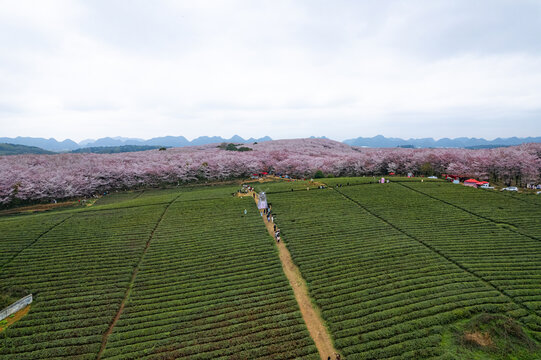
{"x": 510, "y": 188}
{"x": 432, "y": 177}
{"x": 486, "y": 186}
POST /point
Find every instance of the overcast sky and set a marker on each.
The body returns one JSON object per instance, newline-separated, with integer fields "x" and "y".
{"x": 287, "y": 69}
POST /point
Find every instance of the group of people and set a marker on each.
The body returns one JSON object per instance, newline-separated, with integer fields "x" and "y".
{"x": 270, "y": 218}
{"x": 276, "y": 233}
{"x": 337, "y": 357}
{"x": 245, "y": 189}
{"x": 267, "y": 211}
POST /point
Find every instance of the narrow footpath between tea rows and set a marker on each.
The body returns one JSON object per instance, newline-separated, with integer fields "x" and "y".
{"x": 310, "y": 314}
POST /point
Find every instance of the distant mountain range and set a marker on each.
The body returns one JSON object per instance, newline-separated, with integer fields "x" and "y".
{"x": 461, "y": 142}
{"x": 167, "y": 141}
{"x": 105, "y": 145}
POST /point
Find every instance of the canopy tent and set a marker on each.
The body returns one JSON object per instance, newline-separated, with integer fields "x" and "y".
{"x": 262, "y": 201}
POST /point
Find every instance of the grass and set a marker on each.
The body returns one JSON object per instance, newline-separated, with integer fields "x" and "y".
{"x": 489, "y": 336}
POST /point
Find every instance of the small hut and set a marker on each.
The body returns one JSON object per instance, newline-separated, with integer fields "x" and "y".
{"x": 471, "y": 182}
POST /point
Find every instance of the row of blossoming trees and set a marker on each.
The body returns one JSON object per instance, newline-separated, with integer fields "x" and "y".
{"x": 44, "y": 177}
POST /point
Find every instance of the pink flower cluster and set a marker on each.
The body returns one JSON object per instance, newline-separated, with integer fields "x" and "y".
{"x": 44, "y": 177}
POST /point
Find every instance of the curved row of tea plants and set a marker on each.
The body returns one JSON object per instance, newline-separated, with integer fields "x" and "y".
{"x": 19, "y": 232}
{"x": 211, "y": 287}
{"x": 502, "y": 257}
{"x": 521, "y": 211}
{"x": 78, "y": 273}
{"x": 381, "y": 293}
{"x": 362, "y": 180}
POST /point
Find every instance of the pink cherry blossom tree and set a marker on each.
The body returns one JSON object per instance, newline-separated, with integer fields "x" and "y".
{"x": 45, "y": 177}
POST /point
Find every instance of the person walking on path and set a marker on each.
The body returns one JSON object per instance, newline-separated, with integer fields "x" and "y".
{"x": 245, "y": 211}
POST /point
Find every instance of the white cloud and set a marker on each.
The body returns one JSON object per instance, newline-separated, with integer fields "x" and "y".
{"x": 279, "y": 68}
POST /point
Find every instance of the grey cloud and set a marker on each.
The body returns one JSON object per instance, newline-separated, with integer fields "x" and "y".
{"x": 280, "y": 68}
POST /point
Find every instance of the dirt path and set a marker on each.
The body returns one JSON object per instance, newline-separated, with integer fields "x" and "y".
{"x": 37, "y": 208}
{"x": 18, "y": 315}
{"x": 310, "y": 313}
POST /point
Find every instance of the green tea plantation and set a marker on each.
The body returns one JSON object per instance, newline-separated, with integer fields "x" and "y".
{"x": 400, "y": 270}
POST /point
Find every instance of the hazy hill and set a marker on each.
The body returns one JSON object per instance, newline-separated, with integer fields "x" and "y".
{"x": 15, "y": 149}
{"x": 114, "y": 149}
{"x": 461, "y": 142}
{"x": 47, "y": 144}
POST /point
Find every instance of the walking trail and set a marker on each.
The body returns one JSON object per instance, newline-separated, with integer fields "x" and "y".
{"x": 310, "y": 313}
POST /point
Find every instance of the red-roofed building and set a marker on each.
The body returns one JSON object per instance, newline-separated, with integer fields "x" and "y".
{"x": 472, "y": 182}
